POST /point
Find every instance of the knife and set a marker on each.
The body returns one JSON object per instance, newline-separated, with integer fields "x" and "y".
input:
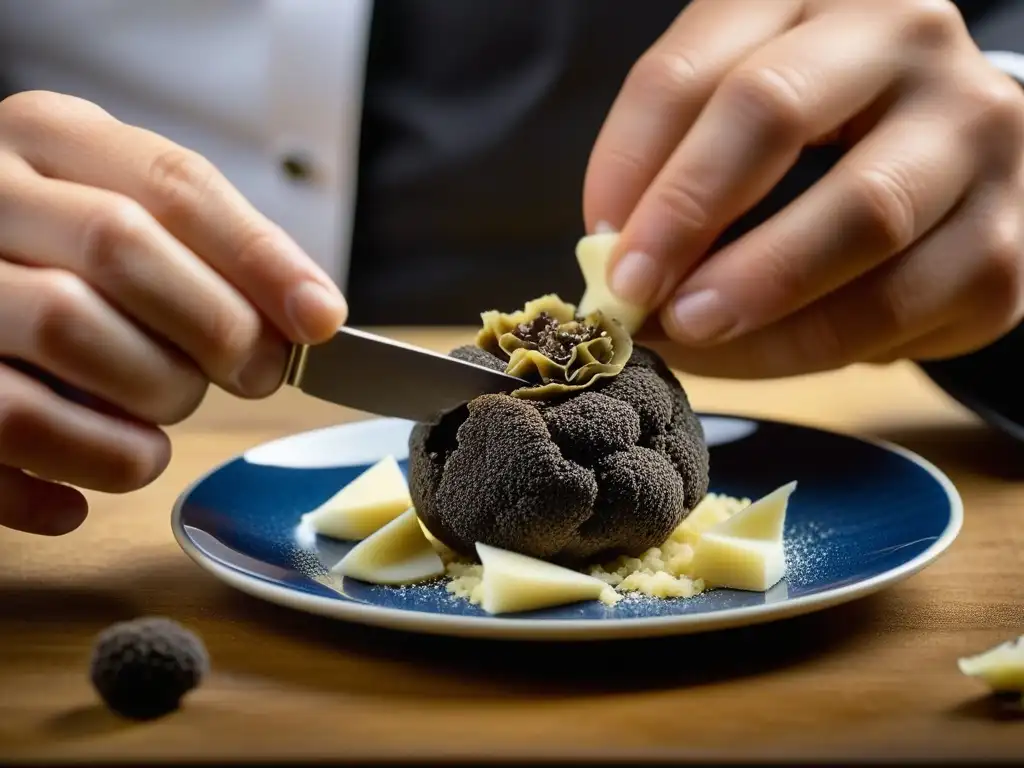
{"x": 385, "y": 377}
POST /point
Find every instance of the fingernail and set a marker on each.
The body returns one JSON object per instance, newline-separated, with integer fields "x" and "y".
{"x": 263, "y": 372}
{"x": 315, "y": 311}
{"x": 636, "y": 278}
{"x": 604, "y": 228}
{"x": 701, "y": 317}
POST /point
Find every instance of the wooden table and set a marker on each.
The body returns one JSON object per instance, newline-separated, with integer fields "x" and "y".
{"x": 874, "y": 678}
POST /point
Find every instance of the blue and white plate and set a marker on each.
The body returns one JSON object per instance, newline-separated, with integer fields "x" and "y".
{"x": 864, "y": 516}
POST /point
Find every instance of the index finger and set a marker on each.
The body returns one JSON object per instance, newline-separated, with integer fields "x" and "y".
{"x": 794, "y": 89}
{"x": 664, "y": 93}
{"x": 75, "y": 140}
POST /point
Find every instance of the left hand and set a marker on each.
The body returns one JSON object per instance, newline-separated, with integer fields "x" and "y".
{"x": 911, "y": 247}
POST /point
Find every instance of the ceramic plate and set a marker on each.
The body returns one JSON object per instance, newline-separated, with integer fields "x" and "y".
{"x": 865, "y": 515}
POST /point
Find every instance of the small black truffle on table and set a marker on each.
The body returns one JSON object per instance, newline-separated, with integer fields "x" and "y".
{"x": 143, "y": 668}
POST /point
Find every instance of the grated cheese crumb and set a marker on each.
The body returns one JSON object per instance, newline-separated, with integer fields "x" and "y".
{"x": 660, "y": 572}
{"x": 664, "y": 572}
{"x": 466, "y": 580}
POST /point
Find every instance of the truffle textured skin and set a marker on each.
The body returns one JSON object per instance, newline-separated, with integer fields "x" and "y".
{"x": 142, "y": 668}
{"x": 610, "y": 470}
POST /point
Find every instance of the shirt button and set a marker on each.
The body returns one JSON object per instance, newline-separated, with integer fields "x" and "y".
{"x": 297, "y": 167}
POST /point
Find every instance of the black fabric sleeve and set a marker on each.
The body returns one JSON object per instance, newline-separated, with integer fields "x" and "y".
{"x": 987, "y": 381}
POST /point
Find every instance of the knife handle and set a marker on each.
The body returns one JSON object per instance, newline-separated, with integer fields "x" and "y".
{"x": 296, "y": 367}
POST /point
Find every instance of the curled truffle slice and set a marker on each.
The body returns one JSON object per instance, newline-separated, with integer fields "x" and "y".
{"x": 547, "y": 342}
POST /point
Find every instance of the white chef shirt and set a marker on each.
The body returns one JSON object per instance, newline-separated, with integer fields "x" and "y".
{"x": 246, "y": 83}
{"x": 250, "y": 84}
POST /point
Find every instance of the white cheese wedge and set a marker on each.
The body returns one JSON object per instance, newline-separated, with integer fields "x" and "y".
{"x": 724, "y": 561}
{"x": 746, "y": 550}
{"x": 762, "y": 520}
{"x": 513, "y": 582}
{"x": 368, "y": 503}
{"x": 439, "y": 546}
{"x": 398, "y": 553}
{"x": 705, "y": 515}
{"x": 1000, "y": 668}
{"x": 593, "y": 253}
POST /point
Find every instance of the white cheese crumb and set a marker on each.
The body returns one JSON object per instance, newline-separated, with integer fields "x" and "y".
{"x": 660, "y": 572}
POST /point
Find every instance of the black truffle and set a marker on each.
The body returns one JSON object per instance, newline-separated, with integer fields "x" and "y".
{"x": 142, "y": 668}
{"x": 609, "y": 470}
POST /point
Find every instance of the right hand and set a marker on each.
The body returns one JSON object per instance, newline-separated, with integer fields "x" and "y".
{"x": 131, "y": 270}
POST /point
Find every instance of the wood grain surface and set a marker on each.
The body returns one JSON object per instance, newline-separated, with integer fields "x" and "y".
{"x": 872, "y": 679}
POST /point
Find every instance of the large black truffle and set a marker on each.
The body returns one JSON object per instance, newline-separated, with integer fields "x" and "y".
{"x": 142, "y": 668}
{"x": 609, "y": 470}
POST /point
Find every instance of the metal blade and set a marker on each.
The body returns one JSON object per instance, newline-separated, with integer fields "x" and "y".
{"x": 378, "y": 375}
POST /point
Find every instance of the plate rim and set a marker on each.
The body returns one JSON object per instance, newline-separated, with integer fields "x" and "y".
{"x": 516, "y": 628}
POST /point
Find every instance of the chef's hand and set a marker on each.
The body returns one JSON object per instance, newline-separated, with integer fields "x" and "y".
{"x": 131, "y": 270}
{"x": 910, "y": 248}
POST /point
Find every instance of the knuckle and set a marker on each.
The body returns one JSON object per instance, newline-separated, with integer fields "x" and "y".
{"x": 126, "y": 471}
{"x": 188, "y": 390}
{"x": 891, "y": 308}
{"x": 998, "y": 106}
{"x": 627, "y": 159}
{"x": 771, "y": 97}
{"x": 822, "y": 337}
{"x": 1002, "y": 272}
{"x": 130, "y": 470}
{"x": 1000, "y": 99}
{"x": 260, "y": 245}
{"x": 194, "y": 392}
{"x": 18, "y": 422}
{"x": 178, "y": 179}
{"x": 29, "y": 108}
{"x": 62, "y": 302}
{"x": 884, "y": 204}
{"x": 679, "y": 202}
{"x": 29, "y": 111}
{"x": 662, "y": 74}
{"x": 170, "y": 393}
{"x": 233, "y": 334}
{"x": 783, "y": 276}
{"x": 108, "y": 233}
{"x": 931, "y": 24}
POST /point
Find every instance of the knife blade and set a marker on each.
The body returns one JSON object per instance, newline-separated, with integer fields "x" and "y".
{"x": 386, "y": 377}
